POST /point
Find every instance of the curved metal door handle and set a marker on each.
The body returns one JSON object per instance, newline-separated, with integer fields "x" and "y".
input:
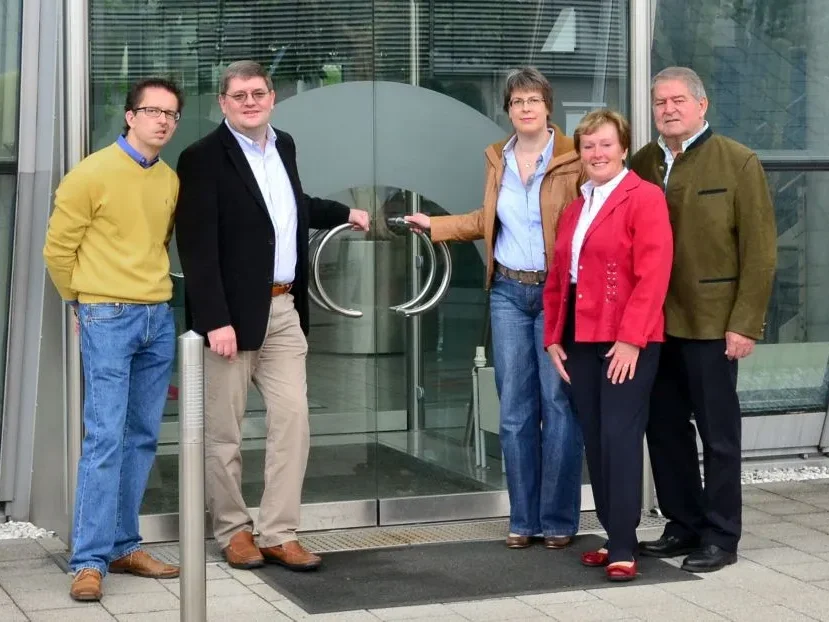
{"x": 314, "y": 251}
{"x": 333, "y": 306}
{"x": 441, "y": 290}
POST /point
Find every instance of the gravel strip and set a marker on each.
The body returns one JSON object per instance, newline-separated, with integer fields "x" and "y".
{"x": 14, "y": 530}
{"x": 799, "y": 474}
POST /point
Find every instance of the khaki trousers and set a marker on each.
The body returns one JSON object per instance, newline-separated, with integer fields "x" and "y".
{"x": 277, "y": 369}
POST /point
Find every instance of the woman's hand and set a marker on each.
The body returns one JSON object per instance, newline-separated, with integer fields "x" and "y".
{"x": 623, "y": 364}
{"x": 556, "y": 353}
{"x": 420, "y": 222}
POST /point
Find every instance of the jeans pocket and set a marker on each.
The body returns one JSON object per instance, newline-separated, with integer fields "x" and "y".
{"x": 102, "y": 311}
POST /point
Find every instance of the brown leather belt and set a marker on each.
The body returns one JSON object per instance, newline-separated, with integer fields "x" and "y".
{"x": 525, "y": 277}
{"x": 281, "y": 288}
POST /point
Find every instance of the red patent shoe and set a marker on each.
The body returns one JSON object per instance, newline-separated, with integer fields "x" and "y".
{"x": 621, "y": 571}
{"x": 594, "y": 558}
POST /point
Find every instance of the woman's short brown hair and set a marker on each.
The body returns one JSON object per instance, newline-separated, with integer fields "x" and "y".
{"x": 528, "y": 79}
{"x": 592, "y": 121}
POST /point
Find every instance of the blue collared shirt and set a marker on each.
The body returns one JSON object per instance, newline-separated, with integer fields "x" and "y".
{"x": 520, "y": 242}
{"x": 276, "y": 189}
{"x": 669, "y": 156}
{"x": 134, "y": 154}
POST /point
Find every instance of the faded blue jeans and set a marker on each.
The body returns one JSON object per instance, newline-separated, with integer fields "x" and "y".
{"x": 127, "y": 352}
{"x": 540, "y": 436}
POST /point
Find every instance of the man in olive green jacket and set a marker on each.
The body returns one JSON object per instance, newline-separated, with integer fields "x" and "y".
{"x": 725, "y": 250}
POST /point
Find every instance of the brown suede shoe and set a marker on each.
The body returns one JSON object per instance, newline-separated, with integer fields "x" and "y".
{"x": 242, "y": 553}
{"x": 556, "y": 542}
{"x": 142, "y": 564}
{"x": 292, "y": 555}
{"x": 514, "y": 541}
{"x": 86, "y": 586}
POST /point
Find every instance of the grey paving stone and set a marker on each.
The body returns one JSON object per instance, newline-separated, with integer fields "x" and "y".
{"x": 16, "y": 550}
{"x": 774, "y": 613}
{"x": 772, "y": 530}
{"x": 757, "y": 496}
{"x": 217, "y": 588}
{"x": 128, "y": 584}
{"x": 754, "y": 516}
{"x": 245, "y": 577}
{"x": 685, "y": 613}
{"x": 155, "y": 616}
{"x": 721, "y": 601}
{"x": 266, "y": 591}
{"x": 817, "y": 498}
{"x": 10, "y": 613}
{"x": 782, "y": 508}
{"x": 818, "y": 571}
{"x": 36, "y": 583}
{"x": 556, "y": 598}
{"x": 818, "y": 521}
{"x": 139, "y": 603}
{"x": 498, "y": 609}
{"x": 37, "y": 566}
{"x": 779, "y": 555}
{"x": 824, "y": 585}
{"x": 751, "y": 541}
{"x": 236, "y": 607}
{"x": 589, "y": 611}
{"x": 635, "y": 595}
{"x": 40, "y": 601}
{"x": 90, "y": 613}
{"x": 5, "y": 599}
{"x": 808, "y": 544}
{"x": 412, "y": 613}
{"x": 52, "y": 545}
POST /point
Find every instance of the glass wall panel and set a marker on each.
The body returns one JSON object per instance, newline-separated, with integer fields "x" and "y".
{"x": 10, "y": 16}
{"x": 764, "y": 64}
{"x": 391, "y": 104}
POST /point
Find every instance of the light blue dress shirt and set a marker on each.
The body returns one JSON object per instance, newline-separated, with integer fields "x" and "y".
{"x": 134, "y": 153}
{"x": 520, "y": 241}
{"x": 278, "y": 193}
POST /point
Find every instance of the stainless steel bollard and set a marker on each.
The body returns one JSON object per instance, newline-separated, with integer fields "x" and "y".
{"x": 193, "y": 597}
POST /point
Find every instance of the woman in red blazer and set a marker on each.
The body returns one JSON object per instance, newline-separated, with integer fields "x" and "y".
{"x": 603, "y": 324}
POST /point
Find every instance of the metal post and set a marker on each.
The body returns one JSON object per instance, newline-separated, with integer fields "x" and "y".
{"x": 76, "y": 54}
{"x": 193, "y": 596}
{"x": 641, "y": 40}
{"x": 415, "y": 342}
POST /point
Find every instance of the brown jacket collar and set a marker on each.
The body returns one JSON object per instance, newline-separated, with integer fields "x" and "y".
{"x": 564, "y": 150}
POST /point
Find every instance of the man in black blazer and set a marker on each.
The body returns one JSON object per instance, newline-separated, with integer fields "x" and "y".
{"x": 242, "y": 225}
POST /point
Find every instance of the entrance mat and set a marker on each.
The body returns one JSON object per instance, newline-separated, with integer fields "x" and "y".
{"x": 440, "y": 573}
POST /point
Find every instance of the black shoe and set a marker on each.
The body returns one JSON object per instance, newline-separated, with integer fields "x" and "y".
{"x": 668, "y": 546}
{"x": 709, "y": 559}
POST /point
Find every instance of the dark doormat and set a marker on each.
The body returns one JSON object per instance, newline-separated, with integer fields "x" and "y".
{"x": 440, "y": 573}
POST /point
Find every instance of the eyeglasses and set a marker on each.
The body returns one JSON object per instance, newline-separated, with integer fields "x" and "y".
{"x": 154, "y": 113}
{"x": 242, "y": 96}
{"x": 532, "y": 102}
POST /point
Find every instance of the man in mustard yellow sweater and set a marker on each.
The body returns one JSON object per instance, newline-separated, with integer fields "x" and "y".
{"x": 106, "y": 251}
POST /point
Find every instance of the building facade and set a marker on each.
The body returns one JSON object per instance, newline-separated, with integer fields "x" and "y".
{"x": 392, "y": 103}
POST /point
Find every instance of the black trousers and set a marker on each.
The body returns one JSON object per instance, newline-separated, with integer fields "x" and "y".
{"x": 613, "y": 418}
{"x": 696, "y": 377}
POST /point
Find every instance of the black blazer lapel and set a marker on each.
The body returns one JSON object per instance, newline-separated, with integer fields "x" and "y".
{"x": 240, "y": 162}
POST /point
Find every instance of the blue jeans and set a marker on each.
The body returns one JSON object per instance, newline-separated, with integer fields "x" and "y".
{"x": 540, "y": 436}
{"x": 127, "y": 352}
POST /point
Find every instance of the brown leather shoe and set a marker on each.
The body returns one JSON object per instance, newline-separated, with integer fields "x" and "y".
{"x": 292, "y": 555}
{"x": 86, "y": 586}
{"x": 242, "y": 552}
{"x": 515, "y": 541}
{"x": 556, "y": 542}
{"x": 142, "y": 564}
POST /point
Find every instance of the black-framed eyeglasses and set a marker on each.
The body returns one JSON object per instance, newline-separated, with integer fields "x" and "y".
{"x": 154, "y": 113}
{"x": 242, "y": 96}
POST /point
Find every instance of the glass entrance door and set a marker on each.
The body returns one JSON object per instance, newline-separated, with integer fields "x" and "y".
{"x": 391, "y": 104}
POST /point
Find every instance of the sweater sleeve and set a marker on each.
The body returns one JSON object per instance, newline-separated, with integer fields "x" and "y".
{"x": 67, "y": 226}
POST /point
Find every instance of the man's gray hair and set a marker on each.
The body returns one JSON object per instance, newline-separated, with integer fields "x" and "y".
{"x": 246, "y": 69}
{"x": 684, "y": 74}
